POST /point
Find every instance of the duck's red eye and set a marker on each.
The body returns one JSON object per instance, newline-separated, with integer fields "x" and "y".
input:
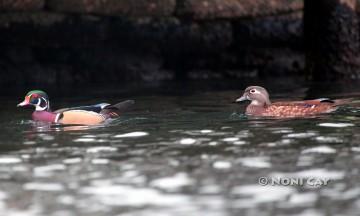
{"x": 252, "y": 91}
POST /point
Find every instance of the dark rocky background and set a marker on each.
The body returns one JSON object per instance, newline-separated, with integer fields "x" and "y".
{"x": 68, "y": 42}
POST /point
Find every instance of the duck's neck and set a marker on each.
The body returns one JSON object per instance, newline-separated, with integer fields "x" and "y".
{"x": 256, "y": 108}
{"x": 45, "y": 116}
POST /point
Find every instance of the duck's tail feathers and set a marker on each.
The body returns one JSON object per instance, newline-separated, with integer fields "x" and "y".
{"x": 339, "y": 102}
{"x": 115, "y": 110}
{"x": 336, "y": 102}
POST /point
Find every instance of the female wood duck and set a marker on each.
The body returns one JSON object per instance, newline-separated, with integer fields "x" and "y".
{"x": 261, "y": 106}
{"x": 85, "y": 115}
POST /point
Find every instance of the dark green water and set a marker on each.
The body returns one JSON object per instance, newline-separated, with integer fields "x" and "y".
{"x": 194, "y": 154}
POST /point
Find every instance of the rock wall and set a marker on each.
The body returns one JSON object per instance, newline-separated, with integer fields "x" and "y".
{"x": 91, "y": 41}
{"x": 197, "y": 9}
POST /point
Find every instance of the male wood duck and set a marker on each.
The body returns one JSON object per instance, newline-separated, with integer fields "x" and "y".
{"x": 261, "y": 106}
{"x": 84, "y": 115}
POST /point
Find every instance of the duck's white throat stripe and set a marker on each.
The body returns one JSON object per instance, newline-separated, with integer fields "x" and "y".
{"x": 57, "y": 118}
{"x": 38, "y": 107}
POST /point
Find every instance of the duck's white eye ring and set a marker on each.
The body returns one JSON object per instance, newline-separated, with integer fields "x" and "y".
{"x": 252, "y": 91}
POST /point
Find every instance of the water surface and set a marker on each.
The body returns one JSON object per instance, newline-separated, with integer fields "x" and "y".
{"x": 193, "y": 154}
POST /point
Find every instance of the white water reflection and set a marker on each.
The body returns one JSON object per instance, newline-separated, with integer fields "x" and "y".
{"x": 100, "y": 161}
{"x": 122, "y": 195}
{"x": 72, "y": 160}
{"x": 101, "y": 149}
{"x": 132, "y": 134}
{"x": 222, "y": 165}
{"x": 336, "y": 125}
{"x": 252, "y": 195}
{"x": 173, "y": 183}
{"x": 43, "y": 186}
{"x": 320, "y": 150}
{"x": 255, "y": 162}
{"x": 9, "y": 160}
{"x": 49, "y": 170}
{"x": 187, "y": 141}
{"x": 301, "y": 135}
{"x": 329, "y": 139}
{"x": 303, "y": 199}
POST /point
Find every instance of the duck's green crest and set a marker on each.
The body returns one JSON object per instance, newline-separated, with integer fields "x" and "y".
{"x": 39, "y": 92}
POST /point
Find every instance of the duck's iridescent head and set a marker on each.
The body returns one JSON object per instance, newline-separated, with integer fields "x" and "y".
{"x": 37, "y": 98}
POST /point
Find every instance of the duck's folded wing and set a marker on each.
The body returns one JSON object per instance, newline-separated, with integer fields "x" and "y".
{"x": 319, "y": 101}
{"x": 91, "y": 108}
{"x": 117, "y": 109}
{"x": 299, "y": 109}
